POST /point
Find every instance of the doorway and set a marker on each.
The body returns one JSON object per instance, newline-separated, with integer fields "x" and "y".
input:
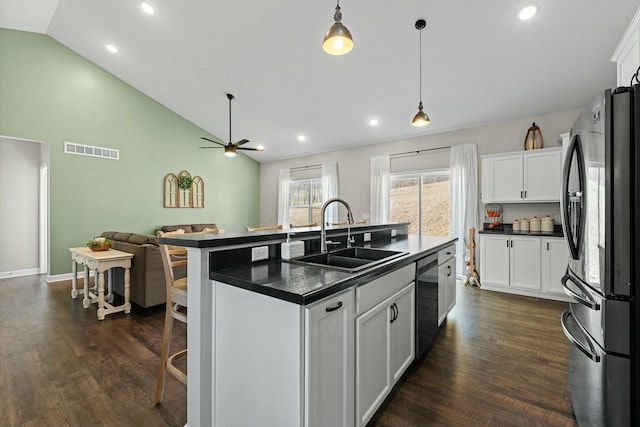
{"x": 24, "y": 211}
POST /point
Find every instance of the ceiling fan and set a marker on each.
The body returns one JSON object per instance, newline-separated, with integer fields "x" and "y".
{"x": 231, "y": 147}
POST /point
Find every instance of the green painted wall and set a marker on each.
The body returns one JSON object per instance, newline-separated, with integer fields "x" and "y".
{"x": 49, "y": 93}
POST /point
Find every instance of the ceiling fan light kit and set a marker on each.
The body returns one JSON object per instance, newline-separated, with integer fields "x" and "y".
{"x": 231, "y": 147}
{"x": 421, "y": 118}
{"x": 338, "y": 40}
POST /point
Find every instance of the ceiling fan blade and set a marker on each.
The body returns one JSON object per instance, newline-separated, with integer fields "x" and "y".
{"x": 211, "y": 140}
{"x": 251, "y": 149}
{"x": 210, "y": 147}
{"x": 242, "y": 141}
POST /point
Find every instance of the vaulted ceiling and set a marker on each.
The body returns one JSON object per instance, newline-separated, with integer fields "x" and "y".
{"x": 480, "y": 63}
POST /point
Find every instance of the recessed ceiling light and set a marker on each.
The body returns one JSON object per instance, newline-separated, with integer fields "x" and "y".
{"x": 302, "y": 138}
{"x": 374, "y": 122}
{"x": 111, "y": 48}
{"x": 527, "y": 13}
{"x": 260, "y": 148}
{"x": 147, "y": 8}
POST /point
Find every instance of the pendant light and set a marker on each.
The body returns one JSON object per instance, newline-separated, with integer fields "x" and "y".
{"x": 338, "y": 40}
{"x": 421, "y": 118}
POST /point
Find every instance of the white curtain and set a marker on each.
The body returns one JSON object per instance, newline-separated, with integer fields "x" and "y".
{"x": 464, "y": 197}
{"x": 379, "y": 191}
{"x": 330, "y": 189}
{"x": 283, "y": 197}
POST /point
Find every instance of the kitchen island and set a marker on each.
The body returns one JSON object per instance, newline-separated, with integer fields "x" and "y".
{"x": 273, "y": 343}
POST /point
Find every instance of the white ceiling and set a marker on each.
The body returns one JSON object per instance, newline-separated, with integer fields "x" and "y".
{"x": 480, "y": 63}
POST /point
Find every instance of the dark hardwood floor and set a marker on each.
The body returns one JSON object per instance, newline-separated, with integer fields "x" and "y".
{"x": 500, "y": 361}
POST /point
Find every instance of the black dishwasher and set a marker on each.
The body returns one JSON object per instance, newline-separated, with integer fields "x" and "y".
{"x": 426, "y": 303}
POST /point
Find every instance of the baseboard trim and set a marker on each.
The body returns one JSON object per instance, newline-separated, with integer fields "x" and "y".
{"x": 63, "y": 277}
{"x": 526, "y": 293}
{"x": 18, "y": 273}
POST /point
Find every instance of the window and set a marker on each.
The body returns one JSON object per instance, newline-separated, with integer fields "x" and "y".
{"x": 423, "y": 199}
{"x": 305, "y": 201}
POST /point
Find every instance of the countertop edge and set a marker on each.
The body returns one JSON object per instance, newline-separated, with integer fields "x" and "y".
{"x": 354, "y": 279}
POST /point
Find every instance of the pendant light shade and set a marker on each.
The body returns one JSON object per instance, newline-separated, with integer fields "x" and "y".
{"x": 338, "y": 40}
{"x": 421, "y": 118}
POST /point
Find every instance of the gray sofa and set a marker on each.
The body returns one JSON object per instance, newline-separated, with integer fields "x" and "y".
{"x": 147, "y": 275}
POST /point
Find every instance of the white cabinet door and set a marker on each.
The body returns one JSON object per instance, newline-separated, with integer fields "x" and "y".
{"x": 542, "y": 169}
{"x": 502, "y": 179}
{"x": 442, "y": 293}
{"x": 330, "y": 378}
{"x": 402, "y": 346}
{"x": 555, "y": 257}
{"x": 451, "y": 284}
{"x": 446, "y": 288}
{"x": 494, "y": 259}
{"x": 525, "y": 262}
{"x": 372, "y": 360}
{"x": 385, "y": 347}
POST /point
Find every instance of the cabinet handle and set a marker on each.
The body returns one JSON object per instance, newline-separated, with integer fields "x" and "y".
{"x": 448, "y": 270}
{"x": 394, "y": 312}
{"x": 525, "y": 194}
{"x": 547, "y": 245}
{"x": 448, "y": 253}
{"x": 334, "y": 308}
{"x": 521, "y": 195}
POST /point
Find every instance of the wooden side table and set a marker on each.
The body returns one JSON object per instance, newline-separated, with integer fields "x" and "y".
{"x": 100, "y": 262}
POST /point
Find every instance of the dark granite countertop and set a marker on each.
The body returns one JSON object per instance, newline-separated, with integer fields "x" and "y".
{"x": 305, "y": 284}
{"x": 242, "y": 238}
{"x": 507, "y": 229}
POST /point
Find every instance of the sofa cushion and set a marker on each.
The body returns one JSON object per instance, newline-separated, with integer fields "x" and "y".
{"x": 169, "y": 228}
{"x": 109, "y": 234}
{"x": 122, "y": 237}
{"x": 139, "y": 239}
{"x": 201, "y": 227}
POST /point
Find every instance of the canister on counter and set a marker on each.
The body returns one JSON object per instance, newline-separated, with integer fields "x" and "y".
{"x": 516, "y": 225}
{"x": 524, "y": 224}
{"x": 547, "y": 224}
{"x": 534, "y": 224}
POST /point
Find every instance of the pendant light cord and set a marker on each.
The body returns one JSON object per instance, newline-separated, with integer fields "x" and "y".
{"x": 420, "y": 76}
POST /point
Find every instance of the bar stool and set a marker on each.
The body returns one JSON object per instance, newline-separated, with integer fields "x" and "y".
{"x": 172, "y": 257}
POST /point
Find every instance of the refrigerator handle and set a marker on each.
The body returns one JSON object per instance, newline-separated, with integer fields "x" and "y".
{"x": 572, "y": 224}
{"x": 568, "y": 276}
{"x": 589, "y": 352}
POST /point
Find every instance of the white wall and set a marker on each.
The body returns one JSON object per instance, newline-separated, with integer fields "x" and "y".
{"x": 353, "y": 164}
{"x": 19, "y": 206}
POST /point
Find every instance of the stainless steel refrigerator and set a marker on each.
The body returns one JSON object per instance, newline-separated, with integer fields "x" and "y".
{"x": 599, "y": 194}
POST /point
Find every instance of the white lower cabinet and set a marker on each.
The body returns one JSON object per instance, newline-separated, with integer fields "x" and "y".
{"x": 524, "y": 262}
{"x": 329, "y": 362}
{"x": 446, "y": 282}
{"x": 527, "y": 265}
{"x": 385, "y": 347}
{"x": 555, "y": 258}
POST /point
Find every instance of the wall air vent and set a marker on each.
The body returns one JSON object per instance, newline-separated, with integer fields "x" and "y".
{"x": 88, "y": 150}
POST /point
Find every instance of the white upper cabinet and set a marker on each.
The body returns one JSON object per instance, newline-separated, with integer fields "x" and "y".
{"x": 525, "y": 176}
{"x": 627, "y": 54}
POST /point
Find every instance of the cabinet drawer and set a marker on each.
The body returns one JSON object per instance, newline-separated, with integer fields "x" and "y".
{"x": 378, "y": 290}
{"x": 446, "y": 253}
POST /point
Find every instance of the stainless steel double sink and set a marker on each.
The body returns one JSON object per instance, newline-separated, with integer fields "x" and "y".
{"x": 348, "y": 259}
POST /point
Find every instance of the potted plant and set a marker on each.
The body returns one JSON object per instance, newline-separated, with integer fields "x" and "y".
{"x": 99, "y": 244}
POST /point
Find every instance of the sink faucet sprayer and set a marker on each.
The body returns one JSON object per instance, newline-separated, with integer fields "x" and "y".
{"x": 323, "y": 233}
